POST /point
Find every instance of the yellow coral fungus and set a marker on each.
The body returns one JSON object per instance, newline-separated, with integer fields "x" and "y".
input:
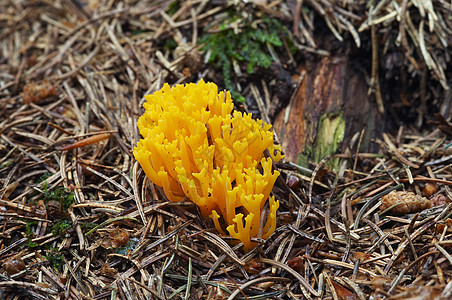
{"x": 195, "y": 146}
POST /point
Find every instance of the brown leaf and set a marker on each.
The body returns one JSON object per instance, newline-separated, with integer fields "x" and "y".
{"x": 342, "y": 292}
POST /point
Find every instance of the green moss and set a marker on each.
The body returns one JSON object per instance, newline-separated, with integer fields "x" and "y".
{"x": 60, "y": 194}
{"x": 173, "y": 7}
{"x": 243, "y": 41}
{"x": 56, "y": 261}
{"x": 44, "y": 177}
{"x": 170, "y": 44}
{"x": 31, "y": 244}
{"x": 29, "y": 232}
{"x": 60, "y": 226}
{"x": 28, "y": 226}
{"x": 87, "y": 226}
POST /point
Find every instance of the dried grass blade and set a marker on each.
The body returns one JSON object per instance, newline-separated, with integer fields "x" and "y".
{"x": 255, "y": 281}
{"x": 405, "y": 243}
{"x": 223, "y": 246}
{"x": 294, "y": 273}
{"x": 109, "y": 221}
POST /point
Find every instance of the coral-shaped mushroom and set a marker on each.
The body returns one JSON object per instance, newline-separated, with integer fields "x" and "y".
{"x": 194, "y": 146}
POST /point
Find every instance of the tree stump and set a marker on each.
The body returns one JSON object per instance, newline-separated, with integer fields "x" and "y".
{"x": 330, "y": 106}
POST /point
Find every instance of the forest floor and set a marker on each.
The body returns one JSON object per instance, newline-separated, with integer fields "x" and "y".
{"x": 80, "y": 220}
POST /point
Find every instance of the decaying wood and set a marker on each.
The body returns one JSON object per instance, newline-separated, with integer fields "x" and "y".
{"x": 331, "y": 88}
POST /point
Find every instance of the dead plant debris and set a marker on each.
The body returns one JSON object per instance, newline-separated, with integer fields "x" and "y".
{"x": 80, "y": 220}
{"x": 402, "y": 202}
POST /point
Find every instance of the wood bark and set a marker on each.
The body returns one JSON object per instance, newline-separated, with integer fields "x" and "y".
{"x": 331, "y": 88}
